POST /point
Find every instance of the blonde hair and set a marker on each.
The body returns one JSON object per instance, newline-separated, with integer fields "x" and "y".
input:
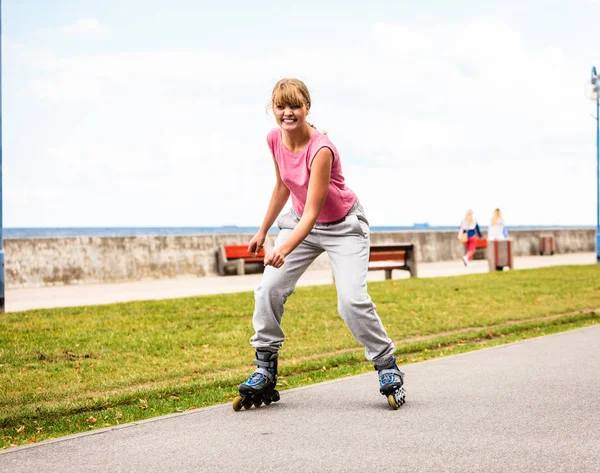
{"x": 496, "y": 216}
{"x": 292, "y": 92}
{"x": 469, "y": 219}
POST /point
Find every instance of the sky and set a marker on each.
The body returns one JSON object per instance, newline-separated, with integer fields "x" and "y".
{"x": 152, "y": 113}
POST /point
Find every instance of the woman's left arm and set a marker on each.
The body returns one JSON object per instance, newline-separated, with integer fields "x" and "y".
{"x": 318, "y": 186}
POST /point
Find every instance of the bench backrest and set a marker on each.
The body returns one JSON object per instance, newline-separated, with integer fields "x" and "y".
{"x": 387, "y": 255}
{"x": 390, "y": 252}
{"x": 241, "y": 251}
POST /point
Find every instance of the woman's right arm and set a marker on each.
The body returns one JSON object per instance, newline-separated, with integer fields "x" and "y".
{"x": 279, "y": 197}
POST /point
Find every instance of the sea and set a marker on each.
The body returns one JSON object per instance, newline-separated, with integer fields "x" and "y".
{"x": 49, "y": 232}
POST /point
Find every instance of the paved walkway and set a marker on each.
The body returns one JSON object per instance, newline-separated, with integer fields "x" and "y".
{"x": 91, "y": 294}
{"x": 528, "y": 407}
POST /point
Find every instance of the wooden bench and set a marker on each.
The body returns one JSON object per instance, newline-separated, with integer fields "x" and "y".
{"x": 233, "y": 258}
{"x": 393, "y": 256}
{"x": 480, "y": 248}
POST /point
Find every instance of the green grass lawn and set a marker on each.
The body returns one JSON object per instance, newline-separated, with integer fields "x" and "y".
{"x": 70, "y": 370}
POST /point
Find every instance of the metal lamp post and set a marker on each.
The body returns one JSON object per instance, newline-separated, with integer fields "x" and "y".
{"x": 1, "y": 223}
{"x": 595, "y": 80}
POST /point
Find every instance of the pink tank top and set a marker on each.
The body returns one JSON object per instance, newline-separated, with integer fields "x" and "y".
{"x": 294, "y": 169}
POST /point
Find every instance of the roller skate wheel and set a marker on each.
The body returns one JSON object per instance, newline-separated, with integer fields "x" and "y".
{"x": 392, "y": 401}
{"x": 267, "y": 402}
{"x": 401, "y": 396}
{"x": 237, "y": 403}
{"x": 275, "y": 397}
{"x": 258, "y": 403}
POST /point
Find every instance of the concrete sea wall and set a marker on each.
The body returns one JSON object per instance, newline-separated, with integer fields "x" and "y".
{"x": 34, "y": 262}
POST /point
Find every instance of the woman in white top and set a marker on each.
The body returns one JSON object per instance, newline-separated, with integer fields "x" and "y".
{"x": 497, "y": 229}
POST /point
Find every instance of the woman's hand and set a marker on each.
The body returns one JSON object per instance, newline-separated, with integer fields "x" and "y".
{"x": 256, "y": 244}
{"x": 275, "y": 258}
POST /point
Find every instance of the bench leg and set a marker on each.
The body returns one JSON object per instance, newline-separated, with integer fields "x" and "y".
{"x": 388, "y": 274}
{"x": 221, "y": 261}
{"x": 411, "y": 263}
{"x": 240, "y": 267}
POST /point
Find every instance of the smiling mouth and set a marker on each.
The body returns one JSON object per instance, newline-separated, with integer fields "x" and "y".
{"x": 289, "y": 120}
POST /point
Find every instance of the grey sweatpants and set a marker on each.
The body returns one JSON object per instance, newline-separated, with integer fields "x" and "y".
{"x": 347, "y": 244}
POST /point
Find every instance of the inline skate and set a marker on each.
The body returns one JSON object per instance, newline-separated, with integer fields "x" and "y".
{"x": 259, "y": 388}
{"x": 391, "y": 384}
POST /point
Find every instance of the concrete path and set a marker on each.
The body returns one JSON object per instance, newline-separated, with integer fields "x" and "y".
{"x": 91, "y": 294}
{"x": 529, "y": 407}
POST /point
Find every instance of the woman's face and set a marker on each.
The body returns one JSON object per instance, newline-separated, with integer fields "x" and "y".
{"x": 290, "y": 117}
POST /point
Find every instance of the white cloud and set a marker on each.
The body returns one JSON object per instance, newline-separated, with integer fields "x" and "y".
{"x": 84, "y": 28}
{"x": 527, "y": 191}
{"x": 402, "y": 40}
{"x": 429, "y": 122}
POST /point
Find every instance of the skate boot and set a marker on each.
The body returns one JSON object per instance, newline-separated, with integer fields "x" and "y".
{"x": 260, "y": 386}
{"x": 391, "y": 381}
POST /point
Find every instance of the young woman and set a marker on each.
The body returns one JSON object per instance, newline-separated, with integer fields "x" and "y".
{"x": 497, "y": 229}
{"x": 469, "y": 230}
{"x": 325, "y": 216}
